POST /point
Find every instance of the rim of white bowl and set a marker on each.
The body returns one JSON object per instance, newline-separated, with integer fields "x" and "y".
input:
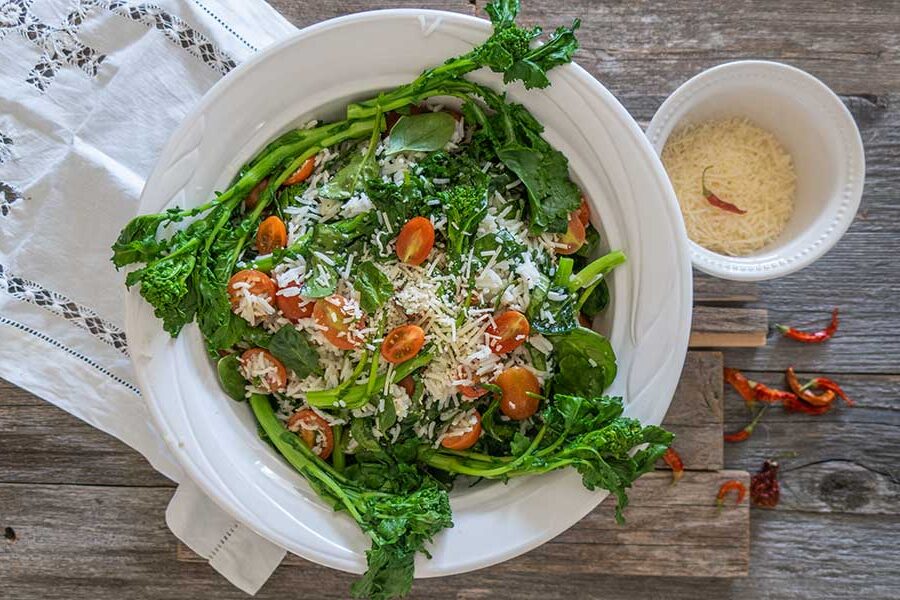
{"x": 752, "y": 268}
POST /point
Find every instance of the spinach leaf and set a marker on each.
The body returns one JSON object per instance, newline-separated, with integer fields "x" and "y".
{"x": 597, "y": 299}
{"x": 586, "y": 363}
{"x": 351, "y": 177}
{"x": 321, "y": 279}
{"x": 388, "y": 416}
{"x": 233, "y": 383}
{"x": 502, "y": 241}
{"x": 425, "y": 132}
{"x": 292, "y": 348}
{"x": 373, "y": 286}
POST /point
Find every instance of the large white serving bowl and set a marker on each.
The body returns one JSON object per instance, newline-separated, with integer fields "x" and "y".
{"x": 313, "y": 75}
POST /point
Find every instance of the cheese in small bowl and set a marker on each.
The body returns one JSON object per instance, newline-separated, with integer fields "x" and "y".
{"x": 735, "y": 184}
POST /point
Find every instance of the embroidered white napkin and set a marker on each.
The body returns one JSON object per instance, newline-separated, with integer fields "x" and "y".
{"x": 89, "y": 92}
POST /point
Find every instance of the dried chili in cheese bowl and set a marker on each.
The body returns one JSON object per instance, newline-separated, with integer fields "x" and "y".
{"x": 767, "y": 164}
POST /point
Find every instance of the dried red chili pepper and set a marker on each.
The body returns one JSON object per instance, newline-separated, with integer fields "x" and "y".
{"x": 764, "y": 488}
{"x": 831, "y": 385}
{"x": 715, "y": 200}
{"x": 747, "y": 431}
{"x": 804, "y": 393}
{"x": 728, "y": 486}
{"x": 811, "y": 337}
{"x": 674, "y": 461}
{"x": 740, "y": 383}
{"x": 770, "y": 395}
{"x": 798, "y": 405}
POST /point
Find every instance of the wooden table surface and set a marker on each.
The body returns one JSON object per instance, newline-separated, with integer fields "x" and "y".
{"x": 90, "y": 512}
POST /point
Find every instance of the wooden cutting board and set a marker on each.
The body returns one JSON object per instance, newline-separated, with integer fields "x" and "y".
{"x": 670, "y": 530}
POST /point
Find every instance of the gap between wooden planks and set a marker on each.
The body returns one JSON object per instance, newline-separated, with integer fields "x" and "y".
{"x": 665, "y": 520}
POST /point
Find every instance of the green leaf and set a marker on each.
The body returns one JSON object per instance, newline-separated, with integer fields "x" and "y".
{"x": 388, "y": 417}
{"x": 519, "y": 444}
{"x": 373, "y": 286}
{"x": 351, "y": 177}
{"x": 586, "y": 363}
{"x": 137, "y": 241}
{"x": 545, "y": 173}
{"x": 292, "y": 348}
{"x": 424, "y": 132}
{"x": 596, "y": 300}
{"x": 233, "y": 383}
{"x": 321, "y": 279}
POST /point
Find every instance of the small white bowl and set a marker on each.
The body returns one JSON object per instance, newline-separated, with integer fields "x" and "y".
{"x": 814, "y": 126}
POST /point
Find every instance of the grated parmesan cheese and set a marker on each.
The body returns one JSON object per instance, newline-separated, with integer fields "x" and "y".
{"x": 750, "y": 169}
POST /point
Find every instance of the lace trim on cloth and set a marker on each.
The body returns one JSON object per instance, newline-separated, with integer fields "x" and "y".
{"x": 60, "y": 46}
{"x": 77, "y": 314}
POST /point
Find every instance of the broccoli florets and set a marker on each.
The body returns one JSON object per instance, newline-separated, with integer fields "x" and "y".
{"x": 465, "y": 207}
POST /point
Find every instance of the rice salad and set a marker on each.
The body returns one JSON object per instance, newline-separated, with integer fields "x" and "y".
{"x": 404, "y": 298}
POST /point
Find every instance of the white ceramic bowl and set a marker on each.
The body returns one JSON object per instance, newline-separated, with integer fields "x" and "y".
{"x": 817, "y": 130}
{"x": 314, "y": 74}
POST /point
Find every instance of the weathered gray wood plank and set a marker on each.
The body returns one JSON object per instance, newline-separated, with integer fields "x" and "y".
{"x": 109, "y": 543}
{"x": 662, "y": 519}
{"x": 728, "y": 327}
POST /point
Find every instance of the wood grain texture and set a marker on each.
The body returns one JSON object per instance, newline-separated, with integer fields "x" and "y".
{"x": 662, "y": 521}
{"x": 711, "y": 289}
{"x": 696, "y": 413}
{"x": 834, "y": 534}
{"x": 728, "y": 327}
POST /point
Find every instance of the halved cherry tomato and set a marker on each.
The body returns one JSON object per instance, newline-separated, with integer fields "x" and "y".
{"x": 466, "y": 440}
{"x": 509, "y": 331}
{"x": 584, "y": 212}
{"x": 408, "y": 384}
{"x": 470, "y": 391}
{"x": 302, "y": 173}
{"x": 252, "y": 198}
{"x": 402, "y": 343}
{"x": 515, "y": 402}
{"x": 271, "y": 234}
{"x": 415, "y": 241}
{"x": 341, "y": 328}
{"x": 260, "y": 285}
{"x": 309, "y": 426}
{"x": 573, "y": 238}
{"x": 294, "y": 307}
{"x": 271, "y": 382}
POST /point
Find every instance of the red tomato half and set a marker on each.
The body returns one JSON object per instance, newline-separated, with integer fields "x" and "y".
{"x": 415, "y": 241}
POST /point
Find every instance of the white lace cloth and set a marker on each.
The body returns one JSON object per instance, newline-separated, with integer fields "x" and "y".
{"x": 89, "y": 92}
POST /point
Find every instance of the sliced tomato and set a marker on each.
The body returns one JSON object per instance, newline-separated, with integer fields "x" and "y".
{"x": 574, "y": 237}
{"x": 302, "y": 173}
{"x": 273, "y": 381}
{"x": 516, "y": 382}
{"x": 260, "y": 285}
{"x": 402, "y": 343}
{"x": 466, "y": 440}
{"x": 272, "y": 234}
{"x": 294, "y": 306}
{"x": 252, "y": 198}
{"x": 313, "y": 430}
{"x": 508, "y": 332}
{"x": 341, "y": 324}
{"x": 408, "y": 384}
{"x": 470, "y": 391}
{"x": 584, "y": 212}
{"x": 415, "y": 241}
